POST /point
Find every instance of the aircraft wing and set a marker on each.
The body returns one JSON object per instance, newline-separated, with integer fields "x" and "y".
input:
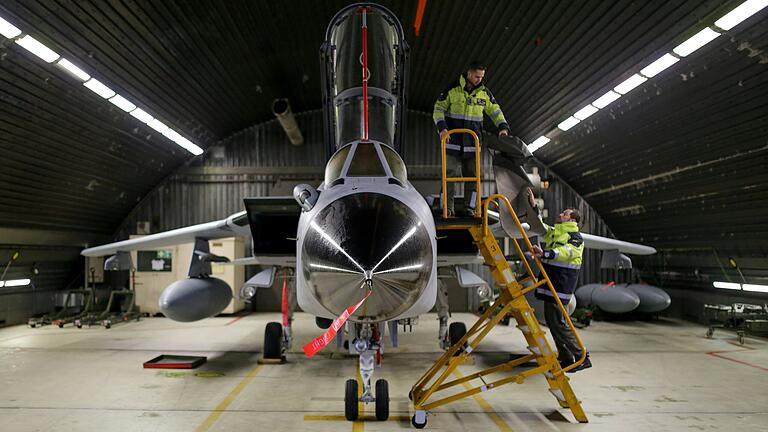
{"x": 235, "y": 225}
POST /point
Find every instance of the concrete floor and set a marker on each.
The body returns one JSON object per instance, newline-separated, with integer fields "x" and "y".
{"x": 661, "y": 376}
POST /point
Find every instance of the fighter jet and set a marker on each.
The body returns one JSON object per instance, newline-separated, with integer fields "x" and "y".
{"x": 363, "y": 243}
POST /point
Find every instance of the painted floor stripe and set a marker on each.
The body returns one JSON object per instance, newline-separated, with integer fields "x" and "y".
{"x": 500, "y": 423}
{"x": 222, "y": 406}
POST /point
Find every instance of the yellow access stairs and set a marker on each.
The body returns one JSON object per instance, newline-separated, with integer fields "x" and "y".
{"x": 426, "y": 393}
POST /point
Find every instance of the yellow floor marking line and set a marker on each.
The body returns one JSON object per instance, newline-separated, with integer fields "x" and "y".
{"x": 500, "y": 423}
{"x": 358, "y": 425}
{"x": 222, "y": 406}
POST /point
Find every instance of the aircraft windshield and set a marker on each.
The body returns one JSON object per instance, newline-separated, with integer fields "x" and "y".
{"x": 365, "y": 162}
{"x": 336, "y": 164}
{"x": 395, "y": 163}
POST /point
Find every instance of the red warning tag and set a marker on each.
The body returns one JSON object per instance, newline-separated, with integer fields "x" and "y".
{"x": 284, "y": 301}
{"x": 321, "y": 341}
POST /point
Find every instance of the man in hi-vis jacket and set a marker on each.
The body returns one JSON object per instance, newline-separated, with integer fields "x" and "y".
{"x": 561, "y": 258}
{"x": 462, "y": 105}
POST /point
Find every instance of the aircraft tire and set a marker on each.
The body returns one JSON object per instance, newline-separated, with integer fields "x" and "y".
{"x": 456, "y": 331}
{"x": 382, "y": 400}
{"x": 273, "y": 335}
{"x": 350, "y": 400}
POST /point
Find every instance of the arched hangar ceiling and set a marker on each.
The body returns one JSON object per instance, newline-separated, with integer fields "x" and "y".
{"x": 679, "y": 162}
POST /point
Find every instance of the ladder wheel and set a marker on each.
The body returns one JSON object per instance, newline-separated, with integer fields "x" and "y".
{"x": 382, "y": 400}
{"x": 350, "y": 400}
{"x": 416, "y": 424}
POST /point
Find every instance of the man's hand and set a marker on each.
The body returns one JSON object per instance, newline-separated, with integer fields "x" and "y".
{"x": 537, "y": 251}
{"x": 443, "y": 134}
{"x": 531, "y": 198}
{"x": 503, "y": 132}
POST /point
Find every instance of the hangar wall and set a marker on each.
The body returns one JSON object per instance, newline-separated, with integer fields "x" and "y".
{"x": 259, "y": 161}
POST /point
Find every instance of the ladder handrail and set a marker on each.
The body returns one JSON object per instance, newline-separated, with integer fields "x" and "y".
{"x": 443, "y": 143}
{"x": 493, "y": 198}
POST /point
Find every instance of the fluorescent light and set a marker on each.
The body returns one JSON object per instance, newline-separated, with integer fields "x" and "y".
{"x": 142, "y": 115}
{"x": 122, "y": 103}
{"x": 8, "y": 30}
{"x": 659, "y": 65}
{"x": 189, "y": 146}
{"x": 756, "y": 288}
{"x": 35, "y": 47}
{"x": 17, "y": 282}
{"x": 568, "y": 123}
{"x": 727, "y": 285}
{"x": 604, "y": 100}
{"x": 695, "y": 42}
{"x": 74, "y": 70}
{"x": 158, "y": 125}
{"x": 630, "y": 83}
{"x": 100, "y": 89}
{"x": 585, "y": 112}
{"x": 742, "y": 12}
{"x": 538, "y": 143}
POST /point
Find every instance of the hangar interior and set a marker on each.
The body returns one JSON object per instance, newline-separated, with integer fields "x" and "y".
{"x": 166, "y": 119}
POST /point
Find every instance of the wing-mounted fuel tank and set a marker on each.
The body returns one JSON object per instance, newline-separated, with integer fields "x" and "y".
{"x": 364, "y": 73}
{"x": 200, "y": 296}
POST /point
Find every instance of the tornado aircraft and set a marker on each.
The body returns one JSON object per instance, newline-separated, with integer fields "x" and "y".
{"x": 363, "y": 243}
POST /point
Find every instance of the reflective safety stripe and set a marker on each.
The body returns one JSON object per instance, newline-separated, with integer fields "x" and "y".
{"x": 561, "y": 264}
{"x": 465, "y": 117}
{"x": 470, "y": 149}
{"x": 453, "y": 147}
{"x": 439, "y": 108}
{"x": 547, "y": 292}
{"x": 495, "y": 113}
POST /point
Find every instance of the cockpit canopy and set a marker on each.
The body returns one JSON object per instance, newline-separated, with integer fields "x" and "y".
{"x": 365, "y": 159}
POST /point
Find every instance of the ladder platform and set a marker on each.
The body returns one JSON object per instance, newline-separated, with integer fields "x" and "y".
{"x": 457, "y": 222}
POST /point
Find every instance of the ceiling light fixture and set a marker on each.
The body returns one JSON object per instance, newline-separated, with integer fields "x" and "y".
{"x": 74, "y": 70}
{"x": 142, "y": 115}
{"x": 8, "y": 30}
{"x": 605, "y": 100}
{"x": 755, "y": 288}
{"x": 695, "y": 42}
{"x": 726, "y": 285}
{"x": 659, "y": 65}
{"x": 630, "y": 83}
{"x": 16, "y": 282}
{"x": 568, "y": 123}
{"x": 740, "y": 13}
{"x": 537, "y": 144}
{"x": 585, "y": 112}
{"x": 100, "y": 89}
{"x": 37, "y": 48}
{"x": 122, "y": 103}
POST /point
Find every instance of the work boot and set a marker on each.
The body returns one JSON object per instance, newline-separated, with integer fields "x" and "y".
{"x": 586, "y": 364}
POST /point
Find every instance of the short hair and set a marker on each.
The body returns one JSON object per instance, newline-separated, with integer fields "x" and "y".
{"x": 476, "y": 65}
{"x": 575, "y": 214}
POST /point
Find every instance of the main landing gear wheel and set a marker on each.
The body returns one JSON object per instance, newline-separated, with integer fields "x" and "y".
{"x": 350, "y": 401}
{"x": 456, "y": 331}
{"x": 273, "y": 335}
{"x": 382, "y": 400}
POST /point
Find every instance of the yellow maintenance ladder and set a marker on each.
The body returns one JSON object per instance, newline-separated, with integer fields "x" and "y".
{"x": 511, "y": 301}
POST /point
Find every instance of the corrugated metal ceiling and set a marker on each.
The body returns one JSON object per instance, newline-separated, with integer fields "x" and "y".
{"x": 686, "y": 147}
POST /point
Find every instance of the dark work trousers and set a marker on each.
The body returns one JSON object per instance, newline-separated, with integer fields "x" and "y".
{"x": 567, "y": 346}
{"x": 457, "y": 166}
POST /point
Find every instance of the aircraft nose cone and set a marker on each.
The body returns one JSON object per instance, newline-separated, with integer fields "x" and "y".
{"x": 367, "y": 239}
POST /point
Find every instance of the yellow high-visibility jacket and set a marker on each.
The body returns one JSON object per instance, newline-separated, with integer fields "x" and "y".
{"x": 456, "y": 108}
